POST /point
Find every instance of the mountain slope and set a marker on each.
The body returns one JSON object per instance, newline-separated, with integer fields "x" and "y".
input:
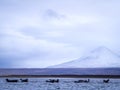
{"x": 100, "y": 57}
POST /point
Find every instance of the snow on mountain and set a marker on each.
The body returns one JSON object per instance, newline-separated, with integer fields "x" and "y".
{"x": 100, "y": 57}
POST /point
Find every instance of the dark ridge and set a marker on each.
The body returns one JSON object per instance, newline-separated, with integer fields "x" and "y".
{"x": 61, "y": 72}
{"x": 63, "y": 76}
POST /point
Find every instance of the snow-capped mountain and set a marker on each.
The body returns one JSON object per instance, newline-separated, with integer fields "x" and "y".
{"x": 100, "y": 57}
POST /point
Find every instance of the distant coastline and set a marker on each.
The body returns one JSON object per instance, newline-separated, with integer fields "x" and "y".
{"x": 61, "y": 72}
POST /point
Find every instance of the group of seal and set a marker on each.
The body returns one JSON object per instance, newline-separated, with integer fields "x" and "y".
{"x": 16, "y": 80}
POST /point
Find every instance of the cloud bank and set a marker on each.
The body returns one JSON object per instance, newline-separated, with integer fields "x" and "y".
{"x": 44, "y": 33}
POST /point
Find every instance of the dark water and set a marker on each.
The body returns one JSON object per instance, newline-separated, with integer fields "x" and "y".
{"x": 64, "y": 84}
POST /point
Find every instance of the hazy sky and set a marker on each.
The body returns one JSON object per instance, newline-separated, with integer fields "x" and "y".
{"x": 41, "y": 33}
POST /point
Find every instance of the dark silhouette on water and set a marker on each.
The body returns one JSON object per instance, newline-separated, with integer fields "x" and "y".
{"x": 106, "y": 81}
{"x": 53, "y": 80}
{"x": 8, "y": 80}
{"x": 24, "y": 80}
{"x": 82, "y": 81}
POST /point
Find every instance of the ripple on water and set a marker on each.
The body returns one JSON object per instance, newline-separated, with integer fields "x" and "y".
{"x": 64, "y": 84}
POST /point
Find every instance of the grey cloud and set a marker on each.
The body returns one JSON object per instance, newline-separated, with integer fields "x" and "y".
{"x": 51, "y": 14}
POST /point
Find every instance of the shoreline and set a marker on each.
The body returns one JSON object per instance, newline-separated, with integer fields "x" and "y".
{"x": 61, "y": 76}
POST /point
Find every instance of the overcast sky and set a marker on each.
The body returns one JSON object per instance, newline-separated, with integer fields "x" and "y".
{"x": 41, "y": 33}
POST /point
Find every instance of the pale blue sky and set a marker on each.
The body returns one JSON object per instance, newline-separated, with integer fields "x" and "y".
{"x": 41, "y": 33}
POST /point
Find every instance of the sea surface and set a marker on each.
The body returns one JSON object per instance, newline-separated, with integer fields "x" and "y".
{"x": 63, "y": 84}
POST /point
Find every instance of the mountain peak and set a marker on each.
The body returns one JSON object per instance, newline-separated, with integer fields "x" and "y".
{"x": 101, "y": 49}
